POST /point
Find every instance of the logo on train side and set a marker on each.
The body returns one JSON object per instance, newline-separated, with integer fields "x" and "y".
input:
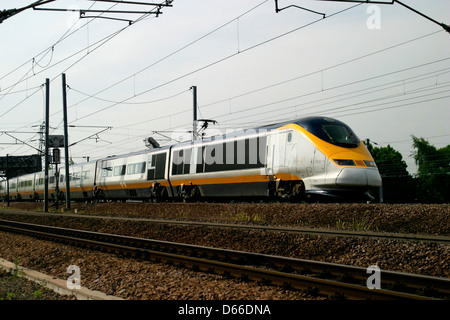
{"x": 246, "y": 148}
{"x": 251, "y": 148}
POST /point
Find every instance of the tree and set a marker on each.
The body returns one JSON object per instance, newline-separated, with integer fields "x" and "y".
{"x": 398, "y": 184}
{"x": 433, "y": 171}
{"x": 389, "y": 161}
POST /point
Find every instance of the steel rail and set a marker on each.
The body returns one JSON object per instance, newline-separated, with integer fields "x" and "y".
{"x": 313, "y": 231}
{"x": 272, "y": 269}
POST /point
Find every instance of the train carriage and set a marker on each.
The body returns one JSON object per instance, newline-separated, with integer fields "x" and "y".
{"x": 13, "y": 191}
{"x": 26, "y": 187}
{"x": 131, "y": 176}
{"x": 293, "y": 160}
{"x": 39, "y": 185}
{"x": 3, "y": 190}
{"x": 81, "y": 181}
{"x": 207, "y": 168}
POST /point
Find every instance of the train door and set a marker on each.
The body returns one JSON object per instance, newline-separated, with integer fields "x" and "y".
{"x": 292, "y": 154}
{"x": 276, "y": 153}
{"x": 270, "y": 153}
{"x": 269, "y": 156}
{"x": 279, "y": 152}
{"x": 319, "y": 163}
{"x": 156, "y": 166}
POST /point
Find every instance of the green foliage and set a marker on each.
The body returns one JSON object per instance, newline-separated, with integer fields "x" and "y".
{"x": 390, "y": 162}
{"x": 433, "y": 171}
{"x": 17, "y": 272}
{"x": 398, "y": 184}
{"x": 37, "y": 294}
{"x": 363, "y": 223}
{"x": 432, "y": 183}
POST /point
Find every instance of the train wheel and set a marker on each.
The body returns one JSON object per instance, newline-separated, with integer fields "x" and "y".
{"x": 189, "y": 193}
{"x": 99, "y": 196}
{"x": 158, "y": 193}
{"x": 298, "y": 192}
{"x": 291, "y": 191}
{"x": 194, "y": 194}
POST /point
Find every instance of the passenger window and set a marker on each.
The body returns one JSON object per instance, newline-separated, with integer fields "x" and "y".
{"x": 107, "y": 172}
{"x": 86, "y": 174}
{"x": 119, "y": 170}
{"x": 136, "y": 168}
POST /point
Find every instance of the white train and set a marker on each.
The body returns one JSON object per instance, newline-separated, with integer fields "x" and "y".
{"x": 309, "y": 156}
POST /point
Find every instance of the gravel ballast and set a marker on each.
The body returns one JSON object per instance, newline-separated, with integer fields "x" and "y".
{"x": 135, "y": 279}
{"x": 132, "y": 278}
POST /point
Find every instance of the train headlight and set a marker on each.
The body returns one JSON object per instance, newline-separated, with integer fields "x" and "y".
{"x": 344, "y": 162}
{"x": 370, "y": 163}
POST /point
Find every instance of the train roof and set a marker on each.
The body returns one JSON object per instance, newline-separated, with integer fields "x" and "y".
{"x": 312, "y": 124}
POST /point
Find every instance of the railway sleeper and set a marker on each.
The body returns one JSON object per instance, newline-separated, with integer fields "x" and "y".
{"x": 249, "y": 273}
{"x": 227, "y": 275}
{"x": 266, "y": 282}
{"x": 287, "y": 286}
{"x": 431, "y": 291}
{"x": 403, "y": 287}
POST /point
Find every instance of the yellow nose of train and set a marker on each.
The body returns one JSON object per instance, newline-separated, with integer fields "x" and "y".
{"x": 358, "y": 168}
{"x": 348, "y": 166}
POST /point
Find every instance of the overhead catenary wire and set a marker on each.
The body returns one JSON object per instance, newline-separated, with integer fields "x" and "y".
{"x": 290, "y": 116}
{"x": 290, "y": 113}
{"x": 355, "y": 93}
{"x": 446, "y": 27}
{"x": 90, "y": 47}
{"x": 131, "y": 103}
{"x": 234, "y": 54}
{"x": 100, "y": 43}
{"x": 173, "y": 53}
{"x": 213, "y": 31}
{"x": 35, "y": 61}
{"x": 213, "y": 63}
{"x": 239, "y": 51}
{"x": 123, "y": 103}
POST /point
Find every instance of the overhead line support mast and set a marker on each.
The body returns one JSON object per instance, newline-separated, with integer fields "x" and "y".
{"x": 446, "y": 27}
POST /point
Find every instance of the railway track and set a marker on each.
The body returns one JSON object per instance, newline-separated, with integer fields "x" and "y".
{"x": 313, "y": 231}
{"x": 328, "y": 279}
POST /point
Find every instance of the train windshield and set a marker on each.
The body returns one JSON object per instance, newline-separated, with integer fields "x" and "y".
{"x": 339, "y": 134}
{"x": 330, "y": 130}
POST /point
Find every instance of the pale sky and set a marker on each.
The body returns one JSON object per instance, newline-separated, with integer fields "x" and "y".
{"x": 383, "y": 70}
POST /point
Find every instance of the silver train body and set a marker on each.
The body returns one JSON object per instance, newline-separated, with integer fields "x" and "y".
{"x": 293, "y": 160}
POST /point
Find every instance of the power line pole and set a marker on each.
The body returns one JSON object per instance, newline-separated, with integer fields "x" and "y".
{"x": 7, "y": 178}
{"x": 194, "y": 125}
{"x": 47, "y": 126}
{"x": 66, "y": 140}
